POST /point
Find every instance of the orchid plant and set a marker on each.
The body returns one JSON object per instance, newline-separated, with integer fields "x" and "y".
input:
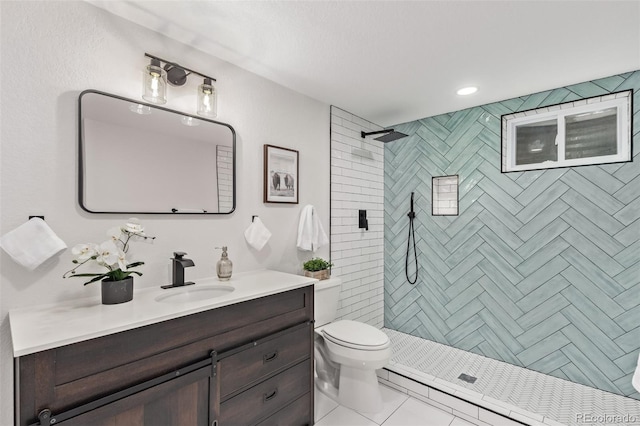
{"x": 110, "y": 254}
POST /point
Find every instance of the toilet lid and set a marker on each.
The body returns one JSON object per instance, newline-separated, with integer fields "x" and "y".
{"x": 354, "y": 334}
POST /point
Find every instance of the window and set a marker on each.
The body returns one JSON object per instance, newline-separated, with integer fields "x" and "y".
{"x": 590, "y": 131}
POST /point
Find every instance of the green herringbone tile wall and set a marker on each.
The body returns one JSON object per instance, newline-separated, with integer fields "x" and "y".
{"x": 541, "y": 269}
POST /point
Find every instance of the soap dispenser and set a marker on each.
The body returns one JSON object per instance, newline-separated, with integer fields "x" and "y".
{"x": 224, "y": 267}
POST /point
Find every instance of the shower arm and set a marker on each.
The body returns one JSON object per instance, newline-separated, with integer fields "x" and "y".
{"x": 377, "y": 132}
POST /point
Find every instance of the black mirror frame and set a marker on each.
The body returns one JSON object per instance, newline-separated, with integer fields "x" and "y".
{"x": 173, "y": 211}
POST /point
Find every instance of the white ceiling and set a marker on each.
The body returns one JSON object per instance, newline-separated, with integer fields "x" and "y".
{"x": 397, "y": 61}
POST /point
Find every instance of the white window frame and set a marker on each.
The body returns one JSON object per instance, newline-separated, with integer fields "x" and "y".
{"x": 622, "y": 101}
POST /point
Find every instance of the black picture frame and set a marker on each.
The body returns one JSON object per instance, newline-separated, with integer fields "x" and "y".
{"x": 281, "y": 175}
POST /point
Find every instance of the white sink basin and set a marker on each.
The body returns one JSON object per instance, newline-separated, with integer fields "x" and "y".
{"x": 194, "y": 293}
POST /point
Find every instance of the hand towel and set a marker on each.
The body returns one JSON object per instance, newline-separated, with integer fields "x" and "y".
{"x": 311, "y": 235}
{"x": 257, "y": 234}
{"x": 636, "y": 376}
{"x": 32, "y": 243}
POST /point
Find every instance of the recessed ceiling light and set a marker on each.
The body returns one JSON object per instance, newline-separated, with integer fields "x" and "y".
{"x": 467, "y": 91}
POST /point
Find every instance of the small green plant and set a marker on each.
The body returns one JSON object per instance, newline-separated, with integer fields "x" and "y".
{"x": 316, "y": 264}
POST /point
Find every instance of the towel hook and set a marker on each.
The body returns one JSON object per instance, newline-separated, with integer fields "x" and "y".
{"x": 253, "y": 217}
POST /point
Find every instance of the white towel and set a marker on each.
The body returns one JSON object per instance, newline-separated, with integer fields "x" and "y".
{"x": 32, "y": 243}
{"x": 257, "y": 234}
{"x": 311, "y": 235}
{"x": 636, "y": 376}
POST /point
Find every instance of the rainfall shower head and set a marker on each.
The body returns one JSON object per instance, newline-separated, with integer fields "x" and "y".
{"x": 390, "y": 136}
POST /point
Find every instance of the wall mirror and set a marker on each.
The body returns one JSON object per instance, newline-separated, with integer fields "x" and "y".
{"x": 141, "y": 158}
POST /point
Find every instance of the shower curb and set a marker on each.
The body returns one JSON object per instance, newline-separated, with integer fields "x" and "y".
{"x": 521, "y": 394}
{"x": 468, "y": 405}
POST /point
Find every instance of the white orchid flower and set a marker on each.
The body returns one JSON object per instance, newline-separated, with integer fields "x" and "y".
{"x": 114, "y": 233}
{"x": 84, "y": 252}
{"x": 133, "y": 226}
{"x": 107, "y": 253}
{"x": 122, "y": 261}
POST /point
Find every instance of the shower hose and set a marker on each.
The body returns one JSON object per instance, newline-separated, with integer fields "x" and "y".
{"x": 412, "y": 236}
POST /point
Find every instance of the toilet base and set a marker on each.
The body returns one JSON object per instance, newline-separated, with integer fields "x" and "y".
{"x": 348, "y": 376}
{"x": 359, "y": 390}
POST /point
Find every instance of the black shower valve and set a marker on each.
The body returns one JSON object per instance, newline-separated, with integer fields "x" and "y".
{"x": 362, "y": 220}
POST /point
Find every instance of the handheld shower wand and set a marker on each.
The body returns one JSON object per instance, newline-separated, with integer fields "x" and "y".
{"x": 412, "y": 235}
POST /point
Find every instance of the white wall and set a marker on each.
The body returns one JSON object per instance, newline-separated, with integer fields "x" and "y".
{"x": 51, "y": 51}
{"x": 357, "y": 183}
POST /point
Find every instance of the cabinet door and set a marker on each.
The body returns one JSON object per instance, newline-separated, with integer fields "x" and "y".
{"x": 177, "y": 402}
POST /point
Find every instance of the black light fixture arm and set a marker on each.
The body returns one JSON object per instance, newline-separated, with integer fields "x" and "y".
{"x": 179, "y": 66}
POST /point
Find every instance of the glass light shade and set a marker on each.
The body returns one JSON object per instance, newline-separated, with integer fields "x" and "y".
{"x": 140, "y": 109}
{"x": 155, "y": 83}
{"x": 207, "y": 99}
{"x": 189, "y": 121}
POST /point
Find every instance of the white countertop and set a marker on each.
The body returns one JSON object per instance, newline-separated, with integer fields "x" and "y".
{"x": 39, "y": 328}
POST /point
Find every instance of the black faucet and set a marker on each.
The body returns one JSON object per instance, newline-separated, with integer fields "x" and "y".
{"x": 178, "y": 264}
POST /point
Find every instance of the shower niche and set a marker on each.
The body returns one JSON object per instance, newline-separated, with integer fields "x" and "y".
{"x": 444, "y": 195}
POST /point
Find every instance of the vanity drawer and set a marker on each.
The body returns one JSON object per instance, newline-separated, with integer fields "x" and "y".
{"x": 268, "y": 397}
{"x": 295, "y": 414}
{"x": 248, "y": 366}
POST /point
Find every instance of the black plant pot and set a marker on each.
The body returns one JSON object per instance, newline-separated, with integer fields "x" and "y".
{"x": 114, "y": 292}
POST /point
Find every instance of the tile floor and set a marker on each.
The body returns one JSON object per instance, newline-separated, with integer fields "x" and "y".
{"x": 399, "y": 410}
{"x": 524, "y": 395}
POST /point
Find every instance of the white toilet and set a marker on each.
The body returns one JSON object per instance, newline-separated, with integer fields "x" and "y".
{"x": 347, "y": 353}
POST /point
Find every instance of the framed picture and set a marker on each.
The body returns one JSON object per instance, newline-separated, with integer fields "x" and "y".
{"x": 280, "y": 175}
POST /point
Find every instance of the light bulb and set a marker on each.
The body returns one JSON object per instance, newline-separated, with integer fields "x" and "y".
{"x": 207, "y": 102}
{"x": 154, "y": 84}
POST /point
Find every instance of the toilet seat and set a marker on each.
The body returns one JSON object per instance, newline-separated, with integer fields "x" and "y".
{"x": 356, "y": 335}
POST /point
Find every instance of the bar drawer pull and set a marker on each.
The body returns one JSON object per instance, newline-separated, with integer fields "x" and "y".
{"x": 269, "y": 357}
{"x": 269, "y": 396}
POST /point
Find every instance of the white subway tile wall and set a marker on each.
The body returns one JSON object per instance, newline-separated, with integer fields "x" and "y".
{"x": 357, "y": 183}
{"x": 225, "y": 178}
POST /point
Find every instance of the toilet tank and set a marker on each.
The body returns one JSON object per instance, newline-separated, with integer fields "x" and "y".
{"x": 326, "y": 294}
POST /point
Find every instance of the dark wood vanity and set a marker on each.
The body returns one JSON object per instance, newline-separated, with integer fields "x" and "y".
{"x": 250, "y": 363}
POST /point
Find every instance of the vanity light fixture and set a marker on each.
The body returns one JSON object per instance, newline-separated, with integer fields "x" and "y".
{"x": 154, "y": 87}
{"x": 157, "y": 76}
{"x": 465, "y": 91}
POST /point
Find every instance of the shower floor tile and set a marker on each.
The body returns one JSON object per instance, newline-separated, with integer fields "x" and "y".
{"x": 522, "y": 394}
